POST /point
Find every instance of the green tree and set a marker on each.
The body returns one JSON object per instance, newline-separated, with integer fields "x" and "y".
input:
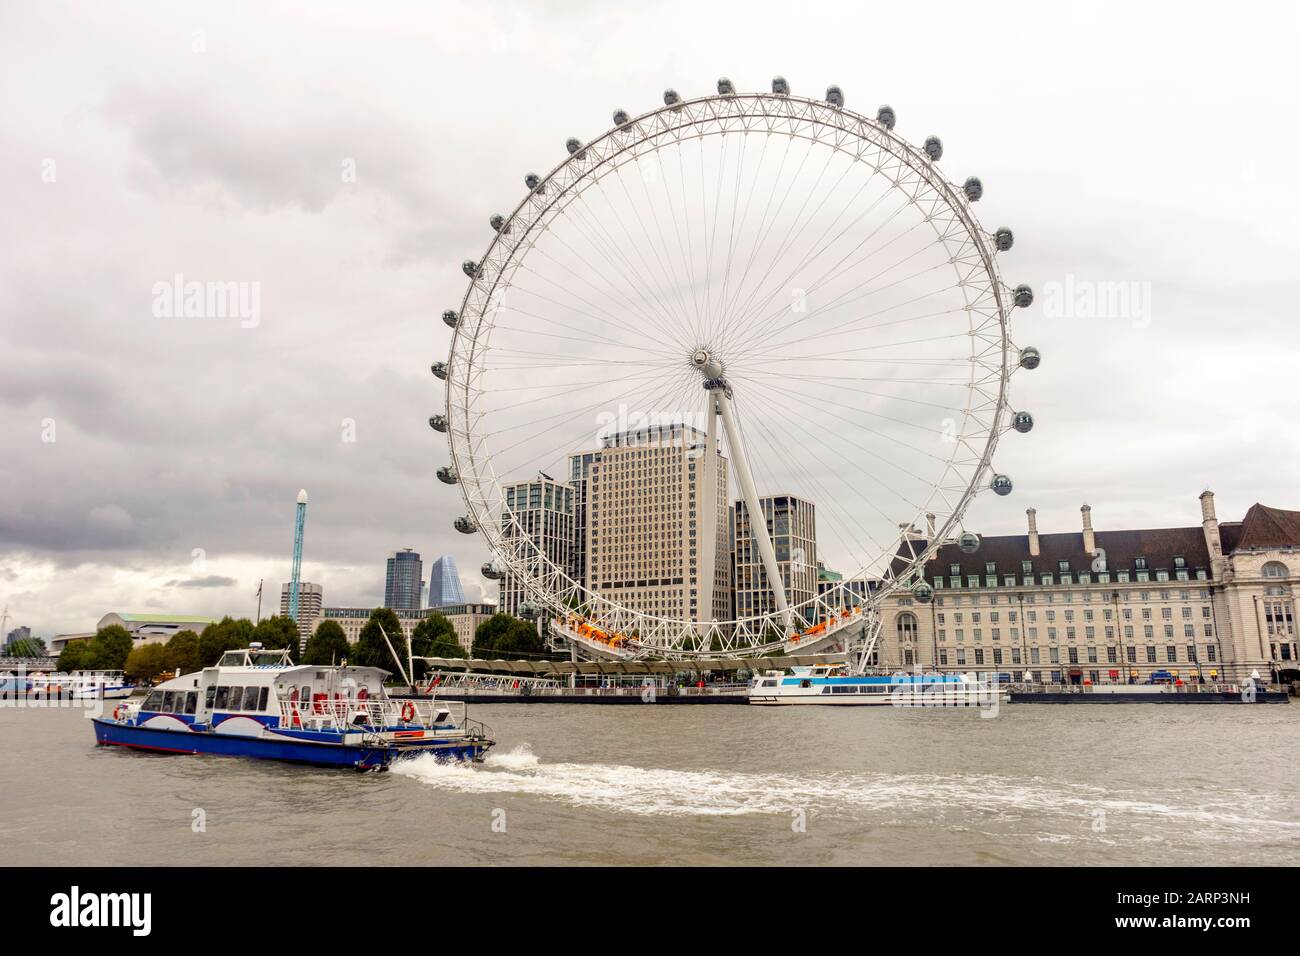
{"x": 276, "y": 633}
{"x": 228, "y": 634}
{"x": 148, "y": 661}
{"x": 182, "y": 653}
{"x": 502, "y": 636}
{"x": 434, "y": 637}
{"x": 371, "y": 650}
{"x": 107, "y": 650}
{"x": 27, "y": 647}
{"x": 328, "y": 645}
{"x": 74, "y": 655}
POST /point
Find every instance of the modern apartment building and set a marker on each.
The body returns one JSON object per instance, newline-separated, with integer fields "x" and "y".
{"x": 311, "y": 598}
{"x": 444, "y": 583}
{"x": 404, "y": 583}
{"x": 537, "y": 522}
{"x": 792, "y": 527}
{"x": 639, "y": 496}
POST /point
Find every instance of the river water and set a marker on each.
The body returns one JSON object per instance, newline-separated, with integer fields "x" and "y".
{"x": 1038, "y": 784}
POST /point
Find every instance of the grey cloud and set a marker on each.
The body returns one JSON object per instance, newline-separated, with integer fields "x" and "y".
{"x": 208, "y": 581}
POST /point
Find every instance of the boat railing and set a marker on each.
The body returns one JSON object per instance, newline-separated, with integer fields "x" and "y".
{"x": 346, "y": 713}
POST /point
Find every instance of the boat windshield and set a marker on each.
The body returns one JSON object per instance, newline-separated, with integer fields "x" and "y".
{"x": 267, "y": 658}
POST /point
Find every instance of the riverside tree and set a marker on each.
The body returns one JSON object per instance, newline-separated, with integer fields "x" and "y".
{"x": 328, "y": 645}
{"x": 371, "y": 650}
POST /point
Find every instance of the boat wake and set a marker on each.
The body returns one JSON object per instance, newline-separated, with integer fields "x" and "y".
{"x": 953, "y": 799}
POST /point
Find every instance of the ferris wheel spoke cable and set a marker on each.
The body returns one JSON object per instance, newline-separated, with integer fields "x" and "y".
{"x": 742, "y": 309}
{"x": 792, "y": 440}
{"x": 764, "y": 229}
{"x": 605, "y": 316}
{"x": 638, "y": 280}
{"x": 764, "y": 324}
{"x": 749, "y": 204}
{"x": 788, "y": 394}
{"x": 561, "y": 452}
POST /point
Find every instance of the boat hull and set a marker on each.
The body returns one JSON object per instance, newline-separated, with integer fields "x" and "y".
{"x": 319, "y": 754}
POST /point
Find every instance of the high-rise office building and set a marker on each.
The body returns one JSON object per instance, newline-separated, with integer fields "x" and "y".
{"x": 640, "y": 521}
{"x": 540, "y": 511}
{"x": 444, "y": 583}
{"x": 310, "y": 601}
{"x": 792, "y": 527}
{"x": 404, "y": 584}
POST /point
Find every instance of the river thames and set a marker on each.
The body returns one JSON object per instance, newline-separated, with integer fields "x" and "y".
{"x": 1038, "y": 784}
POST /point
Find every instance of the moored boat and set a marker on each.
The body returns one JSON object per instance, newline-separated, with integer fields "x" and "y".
{"x": 835, "y": 685}
{"x": 258, "y": 703}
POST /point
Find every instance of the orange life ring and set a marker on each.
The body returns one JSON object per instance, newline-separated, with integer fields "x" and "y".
{"x": 408, "y": 712}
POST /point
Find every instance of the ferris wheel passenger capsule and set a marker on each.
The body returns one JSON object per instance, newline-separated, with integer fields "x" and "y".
{"x": 470, "y": 268}
{"x": 725, "y": 86}
{"x": 447, "y": 475}
{"x": 490, "y": 571}
{"x": 1004, "y": 238}
{"x": 1023, "y": 296}
{"x": 835, "y": 96}
{"x": 886, "y": 117}
{"x": 1001, "y": 485}
{"x": 527, "y": 611}
{"x": 533, "y": 181}
{"x": 968, "y": 542}
{"x": 621, "y": 118}
{"x": 439, "y": 370}
{"x": 450, "y": 318}
{"x": 780, "y": 87}
{"x": 498, "y": 224}
{"x": 438, "y": 423}
{"x": 973, "y": 188}
{"x": 923, "y": 593}
{"x": 1022, "y": 422}
{"x": 933, "y": 148}
{"x": 574, "y": 146}
{"x": 671, "y": 98}
{"x": 1030, "y": 358}
{"x": 465, "y": 524}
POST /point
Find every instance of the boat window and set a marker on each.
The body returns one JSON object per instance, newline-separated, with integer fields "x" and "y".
{"x": 236, "y": 698}
{"x": 169, "y": 701}
{"x": 769, "y": 683}
{"x": 154, "y": 701}
{"x": 250, "y": 698}
{"x": 191, "y": 701}
{"x": 261, "y": 698}
{"x": 222, "y": 694}
{"x": 209, "y": 697}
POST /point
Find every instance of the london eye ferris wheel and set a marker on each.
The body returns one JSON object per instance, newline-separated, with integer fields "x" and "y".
{"x": 792, "y": 297}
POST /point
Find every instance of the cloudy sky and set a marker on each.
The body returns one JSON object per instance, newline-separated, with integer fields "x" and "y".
{"x": 344, "y": 158}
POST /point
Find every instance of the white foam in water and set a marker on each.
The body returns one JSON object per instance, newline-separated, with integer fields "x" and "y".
{"x": 659, "y": 792}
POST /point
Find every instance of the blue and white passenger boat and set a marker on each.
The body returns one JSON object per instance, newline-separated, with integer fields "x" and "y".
{"x": 832, "y": 684}
{"x": 258, "y": 703}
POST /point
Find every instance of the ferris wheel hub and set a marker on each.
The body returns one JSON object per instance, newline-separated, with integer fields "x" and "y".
{"x": 709, "y": 365}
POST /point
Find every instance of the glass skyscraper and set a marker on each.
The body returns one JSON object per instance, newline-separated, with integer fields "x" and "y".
{"x": 405, "y": 583}
{"x": 444, "y": 583}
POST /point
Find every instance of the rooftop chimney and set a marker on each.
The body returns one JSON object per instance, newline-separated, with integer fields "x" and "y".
{"x": 1210, "y": 522}
{"x": 1033, "y": 531}
{"x": 929, "y": 525}
{"x": 1089, "y": 539}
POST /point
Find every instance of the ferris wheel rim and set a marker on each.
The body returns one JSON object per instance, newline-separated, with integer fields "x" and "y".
{"x": 696, "y": 113}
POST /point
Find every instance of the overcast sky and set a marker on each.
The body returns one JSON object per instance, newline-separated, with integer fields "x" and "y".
{"x": 1124, "y": 143}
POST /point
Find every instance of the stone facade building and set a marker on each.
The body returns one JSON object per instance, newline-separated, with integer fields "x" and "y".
{"x": 1214, "y": 602}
